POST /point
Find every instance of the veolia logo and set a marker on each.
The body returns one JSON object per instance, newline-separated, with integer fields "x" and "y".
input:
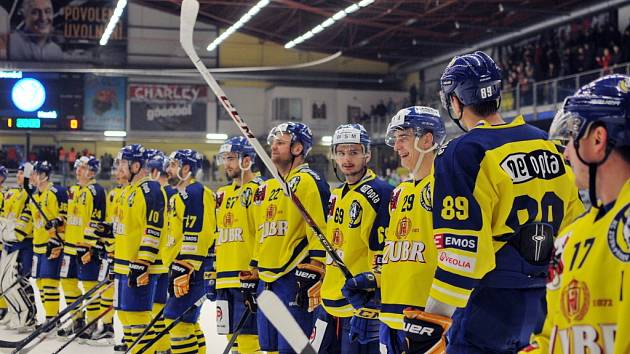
{"x": 28, "y": 94}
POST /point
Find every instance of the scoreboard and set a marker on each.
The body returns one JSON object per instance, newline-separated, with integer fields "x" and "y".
{"x": 52, "y": 101}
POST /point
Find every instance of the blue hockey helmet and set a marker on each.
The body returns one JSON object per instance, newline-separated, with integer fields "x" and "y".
{"x": 3, "y": 172}
{"x": 189, "y": 157}
{"x": 419, "y": 118}
{"x": 42, "y": 167}
{"x": 132, "y": 153}
{"x": 91, "y": 162}
{"x": 239, "y": 145}
{"x": 605, "y": 100}
{"x": 473, "y": 78}
{"x": 351, "y": 134}
{"x": 155, "y": 159}
{"x": 300, "y": 132}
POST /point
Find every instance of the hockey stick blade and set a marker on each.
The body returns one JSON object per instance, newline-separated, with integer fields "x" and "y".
{"x": 280, "y": 317}
{"x": 188, "y": 17}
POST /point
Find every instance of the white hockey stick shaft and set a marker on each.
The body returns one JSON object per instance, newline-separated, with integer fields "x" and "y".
{"x": 280, "y": 317}
{"x": 188, "y": 18}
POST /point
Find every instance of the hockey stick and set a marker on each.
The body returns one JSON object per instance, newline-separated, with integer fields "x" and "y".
{"x": 180, "y": 318}
{"x": 67, "y": 319}
{"x": 188, "y": 18}
{"x": 280, "y": 317}
{"x": 146, "y": 330}
{"x": 46, "y": 326}
{"x": 83, "y": 329}
{"x": 237, "y": 331}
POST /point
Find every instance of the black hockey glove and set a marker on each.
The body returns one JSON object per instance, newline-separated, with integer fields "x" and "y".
{"x": 54, "y": 248}
{"x": 249, "y": 284}
{"x": 104, "y": 230}
{"x": 424, "y": 332}
{"x": 309, "y": 282}
{"x": 138, "y": 273}
{"x": 53, "y": 224}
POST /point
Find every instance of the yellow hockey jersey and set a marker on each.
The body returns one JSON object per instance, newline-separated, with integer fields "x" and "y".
{"x": 588, "y": 300}
{"x": 199, "y": 225}
{"x": 283, "y": 239}
{"x": 139, "y": 226}
{"x": 357, "y": 219}
{"x": 76, "y": 220}
{"x": 53, "y": 201}
{"x": 114, "y": 201}
{"x": 489, "y": 184}
{"x": 236, "y": 231}
{"x": 16, "y": 208}
{"x": 409, "y": 255}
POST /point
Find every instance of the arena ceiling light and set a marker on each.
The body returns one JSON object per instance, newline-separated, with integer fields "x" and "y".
{"x": 216, "y": 136}
{"x": 329, "y": 22}
{"x": 238, "y": 24}
{"x": 113, "y": 21}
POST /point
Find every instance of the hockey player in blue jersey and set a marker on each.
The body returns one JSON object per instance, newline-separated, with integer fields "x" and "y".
{"x": 502, "y": 192}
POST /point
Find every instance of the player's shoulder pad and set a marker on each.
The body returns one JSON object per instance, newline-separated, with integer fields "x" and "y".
{"x": 95, "y": 189}
{"x": 258, "y": 180}
{"x": 59, "y": 190}
{"x": 375, "y": 191}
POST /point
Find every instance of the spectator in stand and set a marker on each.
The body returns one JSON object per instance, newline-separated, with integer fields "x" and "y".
{"x": 616, "y": 56}
{"x": 72, "y": 157}
{"x": 381, "y": 110}
{"x": 604, "y": 60}
{"x": 413, "y": 95}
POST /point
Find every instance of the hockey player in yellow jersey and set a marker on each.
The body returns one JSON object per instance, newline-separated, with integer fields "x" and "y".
{"x": 587, "y": 299}
{"x": 287, "y": 255}
{"x": 409, "y": 257}
{"x": 4, "y": 173}
{"x": 16, "y": 233}
{"x": 191, "y": 274}
{"x": 48, "y": 233}
{"x": 235, "y": 244}
{"x": 357, "y": 218}
{"x": 501, "y": 194}
{"x": 139, "y": 227}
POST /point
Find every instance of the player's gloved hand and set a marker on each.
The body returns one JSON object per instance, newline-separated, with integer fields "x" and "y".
{"x": 104, "y": 230}
{"x": 54, "y": 248}
{"x": 424, "y": 332}
{"x": 309, "y": 281}
{"x": 53, "y": 223}
{"x": 249, "y": 284}
{"x": 360, "y": 289}
{"x": 180, "y": 277}
{"x": 364, "y": 330}
{"x": 110, "y": 266}
{"x": 85, "y": 252}
{"x": 138, "y": 273}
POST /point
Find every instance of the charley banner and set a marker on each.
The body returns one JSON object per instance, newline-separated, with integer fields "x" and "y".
{"x": 104, "y": 103}
{"x": 168, "y": 107}
{"x": 61, "y": 31}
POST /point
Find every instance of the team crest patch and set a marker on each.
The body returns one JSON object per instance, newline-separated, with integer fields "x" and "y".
{"x": 337, "y": 238}
{"x": 619, "y": 235}
{"x": 220, "y": 196}
{"x": 259, "y": 196}
{"x": 246, "y": 197}
{"x": 393, "y": 201}
{"x": 356, "y": 214}
{"x": 271, "y": 212}
{"x": 575, "y": 300}
{"x": 425, "y": 198}
{"x": 293, "y": 183}
{"x": 331, "y": 204}
{"x": 403, "y": 227}
{"x": 228, "y": 219}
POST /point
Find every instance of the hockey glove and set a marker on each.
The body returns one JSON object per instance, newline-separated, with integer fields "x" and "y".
{"x": 249, "y": 284}
{"x": 138, "y": 273}
{"x": 360, "y": 289}
{"x": 85, "y": 252}
{"x": 53, "y": 224}
{"x": 180, "y": 278}
{"x": 309, "y": 282}
{"x": 54, "y": 248}
{"x": 103, "y": 230}
{"x": 424, "y": 332}
{"x": 364, "y": 330}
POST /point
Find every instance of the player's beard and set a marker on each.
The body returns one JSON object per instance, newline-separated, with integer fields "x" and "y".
{"x": 233, "y": 174}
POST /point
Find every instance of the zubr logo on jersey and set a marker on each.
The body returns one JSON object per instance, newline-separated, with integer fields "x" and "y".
{"x": 402, "y": 251}
{"x": 523, "y": 167}
{"x": 227, "y": 233}
{"x": 575, "y": 299}
{"x": 619, "y": 235}
{"x": 457, "y": 261}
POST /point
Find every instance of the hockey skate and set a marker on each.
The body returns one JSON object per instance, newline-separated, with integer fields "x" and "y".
{"x": 103, "y": 336}
{"x": 120, "y": 348}
{"x": 73, "y": 328}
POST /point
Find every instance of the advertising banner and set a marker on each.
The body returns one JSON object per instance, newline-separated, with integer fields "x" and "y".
{"x": 104, "y": 103}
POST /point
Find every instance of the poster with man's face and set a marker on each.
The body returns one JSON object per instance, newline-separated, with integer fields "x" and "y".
{"x": 62, "y": 31}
